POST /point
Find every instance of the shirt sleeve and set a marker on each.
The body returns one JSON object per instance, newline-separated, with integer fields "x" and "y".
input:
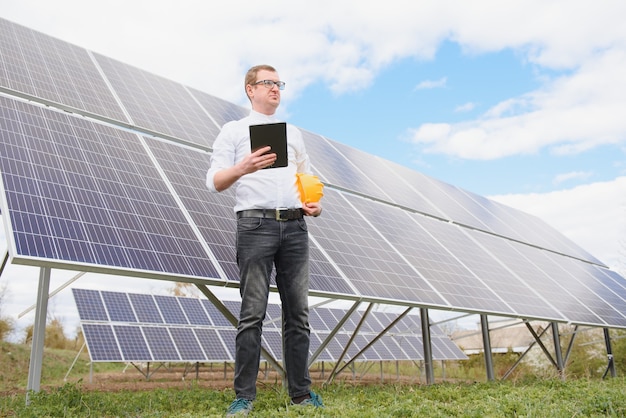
{"x": 223, "y": 155}
{"x": 302, "y": 158}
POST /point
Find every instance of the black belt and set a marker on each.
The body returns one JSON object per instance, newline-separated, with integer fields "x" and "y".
{"x": 278, "y": 214}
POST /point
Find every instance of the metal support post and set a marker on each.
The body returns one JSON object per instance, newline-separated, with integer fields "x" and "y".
{"x": 558, "y": 356}
{"x": 39, "y": 333}
{"x": 484, "y": 324}
{"x": 609, "y": 352}
{"x": 428, "y": 349}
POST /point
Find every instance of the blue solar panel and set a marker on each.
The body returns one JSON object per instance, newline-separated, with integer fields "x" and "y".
{"x": 90, "y": 305}
{"x": 54, "y": 70}
{"x": 212, "y": 345}
{"x": 161, "y": 344}
{"x": 118, "y": 307}
{"x": 373, "y": 268}
{"x": 187, "y": 344}
{"x": 80, "y": 192}
{"x": 158, "y": 104}
{"x": 171, "y": 310}
{"x": 213, "y": 339}
{"x": 216, "y": 316}
{"x": 101, "y": 342}
{"x": 146, "y": 308}
{"x": 194, "y": 311}
{"x": 132, "y": 343}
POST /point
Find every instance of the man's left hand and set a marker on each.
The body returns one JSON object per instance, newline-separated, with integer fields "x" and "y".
{"x": 312, "y": 208}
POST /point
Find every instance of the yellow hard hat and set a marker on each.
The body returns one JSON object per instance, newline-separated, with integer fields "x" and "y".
{"x": 310, "y": 187}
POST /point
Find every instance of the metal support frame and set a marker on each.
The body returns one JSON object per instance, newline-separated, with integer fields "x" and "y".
{"x": 335, "y": 372}
{"x": 428, "y": 348}
{"x": 374, "y": 340}
{"x": 556, "y": 338}
{"x": 5, "y": 260}
{"x": 519, "y": 360}
{"x": 233, "y": 320}
{"x": 334, "y": 332}
{"x": 570, "y": 345}
{"x": 39, "y": 333}
{"x": 610, "y": 367}
{"x": 484, "y": 325}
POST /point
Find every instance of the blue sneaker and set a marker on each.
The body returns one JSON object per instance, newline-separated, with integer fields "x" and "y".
{"x": 315, "y": 401}
{"x": 239, "y": 408}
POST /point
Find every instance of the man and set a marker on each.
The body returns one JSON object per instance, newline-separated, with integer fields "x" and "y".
{"x": 271, "y": 232}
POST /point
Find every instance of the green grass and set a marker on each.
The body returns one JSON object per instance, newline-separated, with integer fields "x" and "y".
{"x": 524, "y": 397}
{"x": 542, "y": 398}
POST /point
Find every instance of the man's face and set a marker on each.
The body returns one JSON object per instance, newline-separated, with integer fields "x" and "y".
{"x": 265, "y": 100}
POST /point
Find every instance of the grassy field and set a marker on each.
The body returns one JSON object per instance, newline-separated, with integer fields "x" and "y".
{"x": 134, "y": 396}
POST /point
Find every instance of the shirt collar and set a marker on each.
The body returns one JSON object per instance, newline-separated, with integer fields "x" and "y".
{"x": 261, "y": 117}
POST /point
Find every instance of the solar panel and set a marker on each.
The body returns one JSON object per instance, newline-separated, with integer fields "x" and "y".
{"x": 158, "y": 104}
{"x": 194, "y": 312}
{"x": 119, "y": 307}
{"x": 133, "y": 345}
{"x": 90, "y": 305}
{"x": 220, "y": 110}
{"x": 120, "y": 189}
{"x": 101, "y": 342}
{"x": 146, "y": 308}
{"x": 81, "y": 192}
{"x": 187, "y": 344}
{"x": 161, "y": 344}
{"x": 371, "y": 265}
{"x": 212, "y": 344}
{"x": 51, "y": 69}
{"x": 576, "y": 304}
{"x": 118, "y": 335}
{"x": 171, "y": 310}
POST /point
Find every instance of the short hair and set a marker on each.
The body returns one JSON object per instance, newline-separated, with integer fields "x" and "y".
{"x": 252, "y": 74}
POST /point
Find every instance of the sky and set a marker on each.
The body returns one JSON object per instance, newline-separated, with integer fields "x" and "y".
{"x": 519, "y": 101}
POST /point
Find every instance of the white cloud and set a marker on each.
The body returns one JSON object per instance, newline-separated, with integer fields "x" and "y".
{"x": 466, "y": 107}
{"x": 592, "y": 215}
{"x": 571, "y": 114}
{"x": 573, "y": 175}
{"x": 432, "y": 84}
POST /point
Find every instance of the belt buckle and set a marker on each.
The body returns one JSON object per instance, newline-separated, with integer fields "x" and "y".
{"x": 278, "y": 213}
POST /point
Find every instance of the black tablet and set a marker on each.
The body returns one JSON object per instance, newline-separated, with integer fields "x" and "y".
{"x": 274, "y": 135}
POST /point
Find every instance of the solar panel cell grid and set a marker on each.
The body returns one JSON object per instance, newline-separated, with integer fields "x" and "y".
{"x": 54, "y": 70}
{"x": 101, "y": 342}
{"x": 119, "y": 307}
{"x": 171, "y": 310}
{"x": 128, "y": 219}
{"x": 161, "y": 345}
{"x": 90, "y": 305}
{"x": 146, "y": 308}
{"x": 212, "y": 345}
{"x": 196, "y": 315}
{"x": 521, "y": 290}
{"x": 158, "y": 104}
{"x": 132, "y": 343}
{"x": 373, "y": 267}
{"x": 187, "y": 344}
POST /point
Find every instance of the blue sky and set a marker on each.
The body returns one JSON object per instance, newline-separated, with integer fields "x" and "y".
{"x": 520, "y": 101}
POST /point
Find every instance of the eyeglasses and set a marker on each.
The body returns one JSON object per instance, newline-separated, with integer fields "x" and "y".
{"x": 271, "y": 83}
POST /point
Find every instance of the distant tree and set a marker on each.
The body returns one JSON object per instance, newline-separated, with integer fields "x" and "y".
{"x": 6, "y": 324}
{"x": 54, "y": 335}
{"x": 618, "y": 344}
{"x": 184, "y": 290}
{"x": 588, "y": 355}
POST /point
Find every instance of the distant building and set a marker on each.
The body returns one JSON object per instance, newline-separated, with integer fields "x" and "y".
{"x": 506, "y": 335}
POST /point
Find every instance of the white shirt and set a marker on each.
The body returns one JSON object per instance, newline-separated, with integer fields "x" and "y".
{"x": 264, "y": 189}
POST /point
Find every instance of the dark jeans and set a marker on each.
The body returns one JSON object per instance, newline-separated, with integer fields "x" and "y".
{"x": 261, "y": 244}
